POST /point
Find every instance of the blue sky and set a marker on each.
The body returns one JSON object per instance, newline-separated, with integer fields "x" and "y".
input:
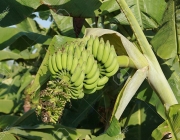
{"x": 43, "y": 23}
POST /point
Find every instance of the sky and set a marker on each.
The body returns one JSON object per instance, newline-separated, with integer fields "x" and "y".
{"x": 43, "y": 23}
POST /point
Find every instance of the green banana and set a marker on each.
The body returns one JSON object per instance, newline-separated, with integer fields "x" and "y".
{"x": 106, "y": 52}
{"x": 93, "y": 79}
{"x": 66, "y": 47}
{"x": 100, "y": 50}
{"x": 77, "y": 52}
{"x": 78, "y": 92}
{"x": 53, "y": 60}
{"x": 74, "y": 64}
{"x": 76, "y": 74}
{"x": 84, "y": 65}
{"x": 113, "y": 65}
{"x": 82, "y": 46}
{"x": 89, "y": 91}
{"x": 76, "y": 87}
{"x": 50, "y": 65}
{"x": 80, "y": 79}
{"x": 89, "y": 64}
{"x": 75, "y": 93}
{"x": 100, "y": 87}
{"x": 110, "y": 59}
{"x": 113, "y": 49}
{"x": 102, "y": 81}
{"x": 81, "y": 95}
{"x": 80, "y": 61}
{"x": 72, "y": 96}
{"x": 95, "y": 47}
{"x": 90, "y": 44}
{"x": 71, "y": 48}
{"x": 90, "y": 86}
{"x": 69, "y": 60}
{"x": 57, "y": 75}
{"x": 109, "y": 74}
{"x": 64, "y": 59}
{"x": 84, "y": 55}
{"x": 58, "y": 60}
{"x": 93, "y": 70}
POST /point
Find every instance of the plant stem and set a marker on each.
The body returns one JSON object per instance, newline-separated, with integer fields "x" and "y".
{"x": 156, "y": 77}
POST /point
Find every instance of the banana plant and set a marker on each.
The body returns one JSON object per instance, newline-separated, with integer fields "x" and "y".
{"x": 143, "y": 60}
{"x": 139, "y": 57}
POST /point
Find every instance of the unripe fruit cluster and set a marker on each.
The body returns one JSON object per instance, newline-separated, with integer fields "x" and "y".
{"x": 83, "y": 67}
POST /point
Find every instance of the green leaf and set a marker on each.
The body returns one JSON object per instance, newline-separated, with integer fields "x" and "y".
{"x": 75, "y": 8}
{"x": 26, "y": 119}
{"x": 45, "y": 131}
{"x": 64, "y": 24}
{"x": 30, "y": 25}
{"x": 72, "y": 117}
{"x": 148, "y": 13}
{"x": 6, "y": 106}
{"x": 114, "y": 128}
{"x": 9, "y": 87}
{"x": 167, "y": 35}
{"x": 7, "y": 136}
{"x": 174, "y": 76}
{"x": 9, "y": 55}
{"x": 106, "y": 137}
{"x": 170, "y": 127}
{"x": 139, "y": 120}
{"x": 6, "y": 120}
{"x": 9, "y": 35}
{"x": 25, "y": 80}
{"x": 21, "y": 9}
{"x": 44, "y": 15}
{"x": 17, "y": 11}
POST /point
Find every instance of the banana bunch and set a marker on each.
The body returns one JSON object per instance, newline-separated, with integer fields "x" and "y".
{"x": 106, "y": 58}
{"x": 84, "y": 66}
{"x": 66, "y": 66}
{"x": 76, "y": 68}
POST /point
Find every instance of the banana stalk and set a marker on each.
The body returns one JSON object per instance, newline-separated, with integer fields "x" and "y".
{"x": 125, "y": 61}
{"x": 155, "y": 75}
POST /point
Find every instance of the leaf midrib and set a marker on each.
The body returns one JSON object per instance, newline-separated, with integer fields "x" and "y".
{"x": 139, "y": 12}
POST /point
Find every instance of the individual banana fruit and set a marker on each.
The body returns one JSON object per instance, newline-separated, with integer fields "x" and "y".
{"x": 95, "y": 47}
{"x": 100, "y": 50}
{"x": 74, "y": 64}
{"x": 76, "y": 74}
{"x": 106, "y": 52}
{"x": 102, "y": 81}
{"x": 93, "y": 70}
{"x": 69, "y": 60}
{"x": 90, "y": 61}
{"x": 50, "y": 65}
{"x": 92, "y": 79}
{"x": 90, "y": 42}
{"x": 53, "y": 61}
{"x": 58, "y": 60}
